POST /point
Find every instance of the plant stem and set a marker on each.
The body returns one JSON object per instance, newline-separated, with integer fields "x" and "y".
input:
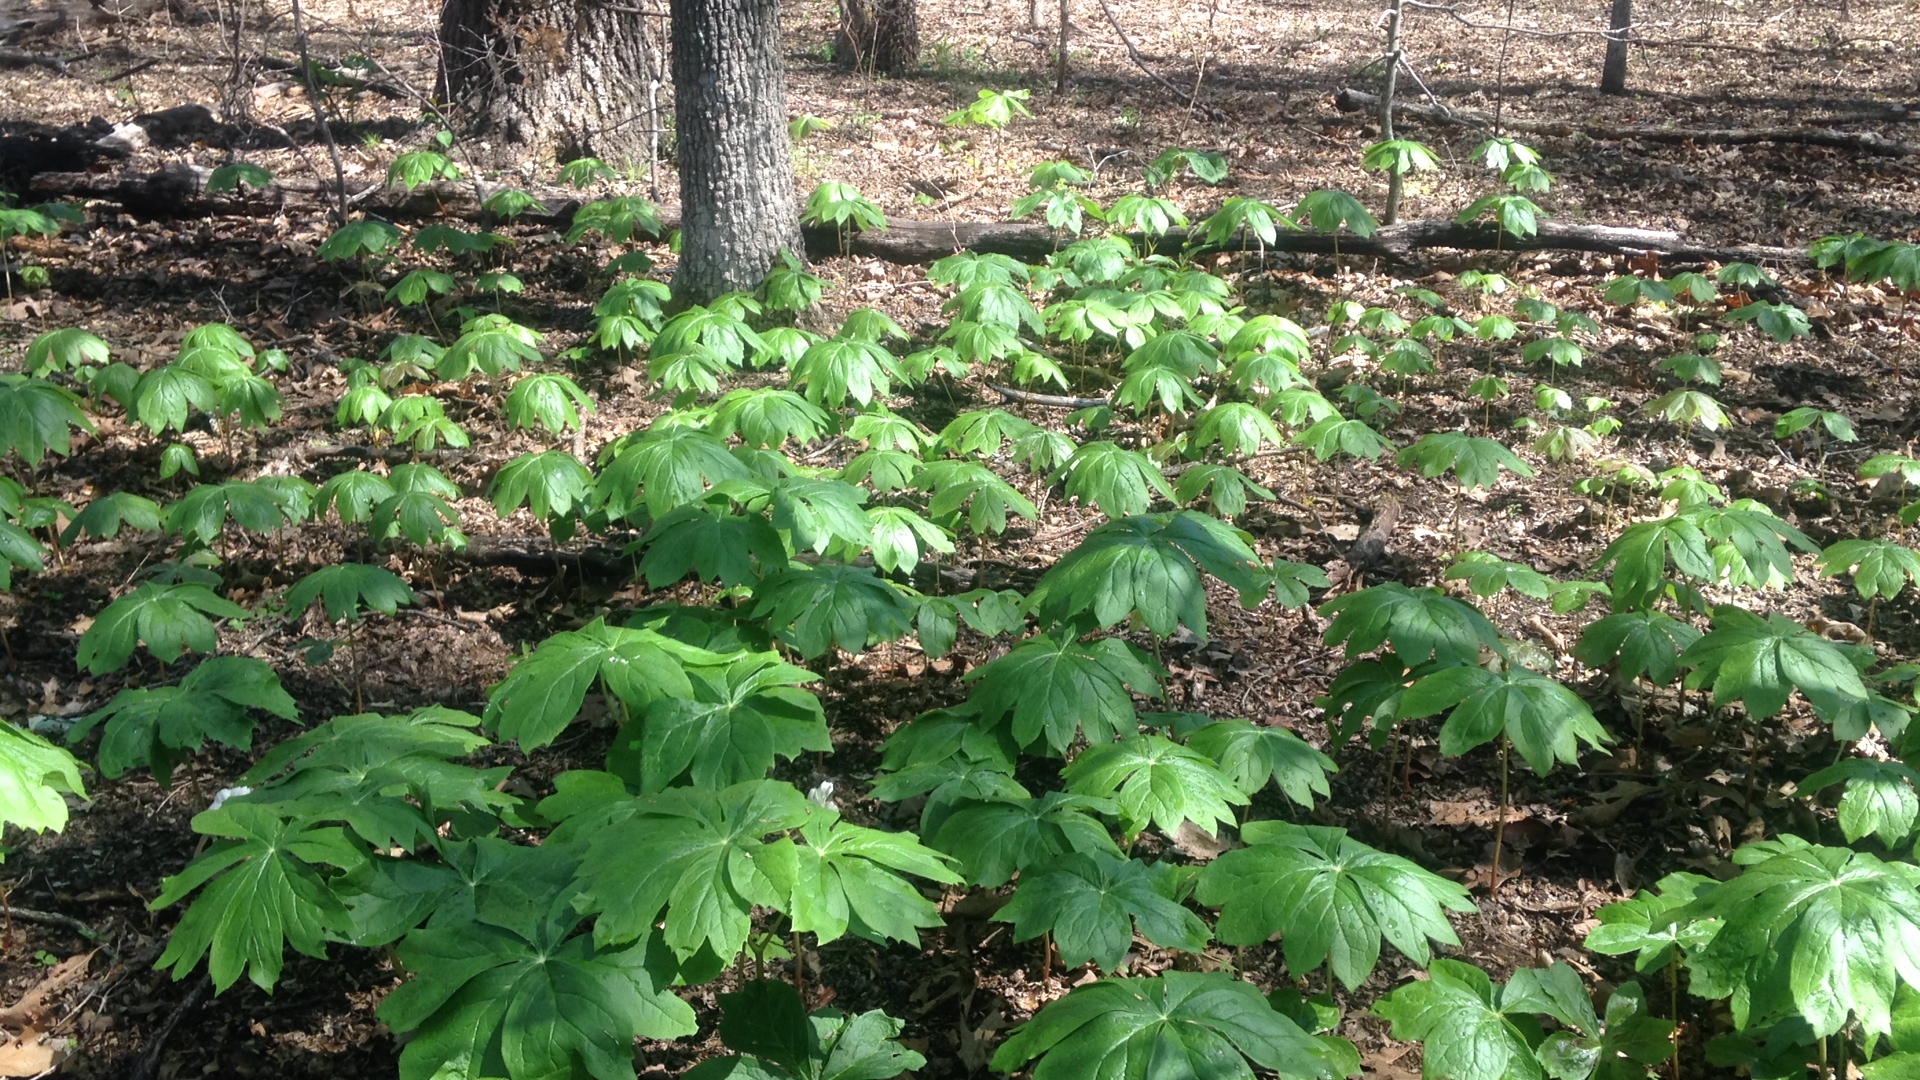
{"x": 799, "y": 969}
{"x": 1394, "y": 179}
{"x": 1500, "y": 823}
{"x": 1046, "y": 958}
{"x": 1673, "y": 1008}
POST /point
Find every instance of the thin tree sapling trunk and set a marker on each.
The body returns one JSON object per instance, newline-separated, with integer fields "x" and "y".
{"x": 1613, "y": 73}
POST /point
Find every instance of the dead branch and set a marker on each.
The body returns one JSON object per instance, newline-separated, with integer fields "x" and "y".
{"x": 1351, "y": 100}
{"x": 179, "y": 191}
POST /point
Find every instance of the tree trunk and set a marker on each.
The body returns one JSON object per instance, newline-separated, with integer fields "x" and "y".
{"x": 878, "y": 35}
{"x": 736, "y": 171}
{"x": 1613, "y": 74}
{"x": 551, "y": 80}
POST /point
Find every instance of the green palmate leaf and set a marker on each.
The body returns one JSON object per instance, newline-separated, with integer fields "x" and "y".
{"x": 1518, "y": 215}
{"x": 1639, "y": 557}
{"x": 1239, "y": 428}
{"x": 1545, "y": 721}
{"x": 1816, "y": 933}
{"x": 1476, "y": 462}
{"x": 964, "y": 485}
{"x": 1640, "y": 925}
{"x": 1252, "y": 755}
{"x": 981, "y": 433}
{"x": 1121, "y": 483}
{"x": 551, "y": 401}
{"x": 1091, "y": 904}
{"x": 418, "y": 508}
{"x": 203, "y": 512}
{"x": 348, "y": 589}
{"x": 491, "y": 345}
{"x": 69, "y": 349}
{"x": 18, "y": 549}
{"x": 901, "y": 538}
{"x": 1761, "y": 661}
{"x": 1781, "y": 322}
{"x": 1879, "y": 798}
{"x": 1150, "y": 567}
{"x": 1226, "y": 489}
{"x": 1421, "y": 624}
{"x": 1053, "y": 686}
{"x": 1153, "y": 779}
{"x": 36, "y": 416}
{"x": 106, "y": 515}
{"x": 161, "y": 726}
{"x": 358, "y": 238}
{"x": 1180, "y": 1024}
{"x": 370, "y": 738}
{"x": 767, "y": 1020}
{"x": 1329, "y": 211}
{"x": 662, "y": 469}
{"x": 1644, "y": 642}
{"x": 1466, "y": 1030}
{"x": 35, "y": 779}
{"x": 883, "y": 471}
{"x": 1622, "y": 1047}
{"x": 353, "y": 495}
{"x": 1487, "y": 575}
{"x": 1331, "y": 899}
{"x": 511, "y": 990}
{"x": 836, "y": 370}
{"x": 168, "y": 619}
{"x": 1794, "y": 421}
{"x": 544, "y": 691}
{"x": 816, "y": 515}
{"x": 730, "y": 548}
{"x": 1260, "y": 220}
{"x": 816, "y": 607}
{"x": 995, "y": 839}
{"x": 1400, "y": 156}
{"x": 737, "y": 720}
{"x": 1688, "y": 408}
{"x": 689, "y": 853}
{"x": 1335, "y": 434}
{"x": 552, "y": 484}
{"x": 1207, "y": 166}
{"x": 263, "y": 892}
{"x": 839, "y": 878}
{"x": 1880, "y": 568}
{"x": 769, "y": 416}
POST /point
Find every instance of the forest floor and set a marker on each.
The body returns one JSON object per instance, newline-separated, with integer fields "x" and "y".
{"x": 1258, "y": 82}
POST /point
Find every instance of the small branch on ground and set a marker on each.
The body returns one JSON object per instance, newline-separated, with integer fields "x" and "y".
{"x": 1351, "y": 100}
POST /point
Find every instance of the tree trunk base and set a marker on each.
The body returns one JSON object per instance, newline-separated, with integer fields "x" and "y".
{"x": 878, "y": 36}
{"x": 553, "y": 80}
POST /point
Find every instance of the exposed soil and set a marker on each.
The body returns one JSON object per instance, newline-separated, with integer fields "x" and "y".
{"x": 1683, "y": 787}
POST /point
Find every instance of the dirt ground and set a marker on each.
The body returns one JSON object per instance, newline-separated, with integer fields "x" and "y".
{"x": 1257, "y": 82}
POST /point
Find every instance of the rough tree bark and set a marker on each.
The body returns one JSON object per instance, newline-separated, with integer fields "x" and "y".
{"x": 1613, "y": 73}
{"x": 878, "y": 35}
{"x": 552, "y": 80}
{"x": 736, "y": 172}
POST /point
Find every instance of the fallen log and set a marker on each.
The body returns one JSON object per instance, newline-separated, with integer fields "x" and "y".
{"x": 1351, "y": 100}
{"x": 180, "y": 191}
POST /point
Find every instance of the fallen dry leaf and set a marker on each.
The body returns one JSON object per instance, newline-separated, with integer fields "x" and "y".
{"x": 30, "y": 1008}
{"x": 30, "y": 1056}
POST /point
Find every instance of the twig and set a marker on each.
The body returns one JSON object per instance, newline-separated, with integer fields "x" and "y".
{"x": 319, "y": 115}
{"x": 1141, "y": 63}
{"x": 125, "y": 73}
{"x": 54, "y": 918}
{"x": 1058, "y": 401}
{"x": 18, "y": 58}
{"x": 149, "y": 1066}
